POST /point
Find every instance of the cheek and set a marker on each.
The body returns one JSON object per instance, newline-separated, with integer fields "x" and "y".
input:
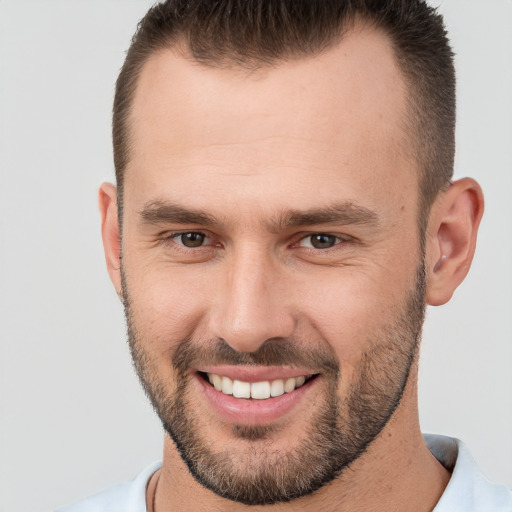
{"x": 167, "y": 306}
{"x": 353, "y": 310}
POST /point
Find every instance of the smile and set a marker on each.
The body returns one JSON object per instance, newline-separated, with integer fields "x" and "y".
{"x": 248, "y": 395}
{"x": 256, "y": 390}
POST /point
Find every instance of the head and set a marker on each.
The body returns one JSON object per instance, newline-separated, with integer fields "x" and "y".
{"x": 284, "y": 211}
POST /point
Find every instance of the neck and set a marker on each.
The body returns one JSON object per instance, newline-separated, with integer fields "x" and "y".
{"x": 396, "y": 473}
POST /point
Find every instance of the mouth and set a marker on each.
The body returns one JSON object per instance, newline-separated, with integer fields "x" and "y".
{"x": 262, "y": 390}
{"x": 249, "y": 396}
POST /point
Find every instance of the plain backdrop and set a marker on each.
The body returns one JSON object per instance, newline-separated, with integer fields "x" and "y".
{"x": 72, "y": 418}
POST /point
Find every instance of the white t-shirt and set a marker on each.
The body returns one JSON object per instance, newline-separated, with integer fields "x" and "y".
{"x": 467, "y": 491}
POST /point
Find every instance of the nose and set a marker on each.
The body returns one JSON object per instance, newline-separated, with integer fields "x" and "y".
{"x": 252, "y": 304}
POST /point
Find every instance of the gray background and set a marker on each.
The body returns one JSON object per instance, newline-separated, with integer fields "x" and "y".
{"x": 72, "y": 417}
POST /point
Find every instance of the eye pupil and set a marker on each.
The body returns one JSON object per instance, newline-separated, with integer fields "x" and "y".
{"x": 192, "y": 239}
{"x": 323, "y": 241}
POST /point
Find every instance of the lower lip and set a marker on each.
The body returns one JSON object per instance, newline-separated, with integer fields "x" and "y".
{"x": 244, "y": 411}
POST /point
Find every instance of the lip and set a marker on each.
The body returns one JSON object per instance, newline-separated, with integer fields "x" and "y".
{"x": 242, "y": 411}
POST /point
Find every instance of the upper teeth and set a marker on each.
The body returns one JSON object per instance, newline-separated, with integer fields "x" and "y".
{"x": 257, "y": 390}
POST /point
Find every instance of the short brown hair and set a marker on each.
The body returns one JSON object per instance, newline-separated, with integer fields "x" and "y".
{"x": 259, "y": 33}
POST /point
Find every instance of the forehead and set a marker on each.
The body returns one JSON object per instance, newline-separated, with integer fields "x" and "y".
{"x": 334, "y": 118}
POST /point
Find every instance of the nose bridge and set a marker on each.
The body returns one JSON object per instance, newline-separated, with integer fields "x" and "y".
{"x": 251, "y": 310}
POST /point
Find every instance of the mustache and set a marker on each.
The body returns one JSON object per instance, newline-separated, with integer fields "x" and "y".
{"x": 190, "y": 354}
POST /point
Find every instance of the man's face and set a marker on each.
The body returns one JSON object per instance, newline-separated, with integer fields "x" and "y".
{"x": 270, "y": 246}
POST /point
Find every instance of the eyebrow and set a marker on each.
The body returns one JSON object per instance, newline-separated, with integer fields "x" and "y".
{"x": 155, "y": 212}
{"x": 345, "y": 213}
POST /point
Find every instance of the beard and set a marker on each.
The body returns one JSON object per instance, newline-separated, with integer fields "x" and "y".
{"x": 338, "y": 433}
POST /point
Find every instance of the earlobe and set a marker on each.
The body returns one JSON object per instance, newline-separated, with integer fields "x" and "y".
{"x": 107, "y": 199}
{"x": 451, "y": 238}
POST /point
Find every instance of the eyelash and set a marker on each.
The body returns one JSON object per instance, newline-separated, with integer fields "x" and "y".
{"x": 172, "y": 238}
{"x": 338, "y": 240}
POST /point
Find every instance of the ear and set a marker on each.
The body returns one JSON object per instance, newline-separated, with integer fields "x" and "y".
{"x": 451, "y": 238}
{"x": 107, "y": 198}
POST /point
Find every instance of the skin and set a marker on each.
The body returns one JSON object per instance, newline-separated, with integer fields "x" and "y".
{"x": 246, "y": 147}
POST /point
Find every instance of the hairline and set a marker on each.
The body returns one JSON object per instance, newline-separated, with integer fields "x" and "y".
{"x": 408, "y": 142}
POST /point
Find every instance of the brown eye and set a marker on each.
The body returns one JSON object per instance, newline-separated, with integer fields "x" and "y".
{"x": 320, "y": 241}
{"x": 192, "y": 239}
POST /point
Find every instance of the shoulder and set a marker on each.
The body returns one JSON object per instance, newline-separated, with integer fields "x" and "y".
{"x": 468, "y": 490}
{"x": 127, "y": 497}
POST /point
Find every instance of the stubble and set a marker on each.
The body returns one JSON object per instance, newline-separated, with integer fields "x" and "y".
{"x": 339, "y": 432}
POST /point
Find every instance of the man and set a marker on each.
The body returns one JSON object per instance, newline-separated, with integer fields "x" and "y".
{"x": 284, "y": 211}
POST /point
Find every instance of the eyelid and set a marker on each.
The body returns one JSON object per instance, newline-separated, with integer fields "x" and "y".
{"x": 173, "y": 236}
{"x": 340, "y": 238}
{"x": 337, "y": 241}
